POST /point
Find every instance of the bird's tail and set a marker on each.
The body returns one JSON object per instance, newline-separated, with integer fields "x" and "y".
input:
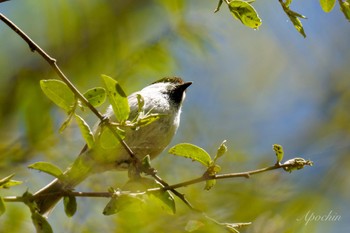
{"x": 47, "y": 197}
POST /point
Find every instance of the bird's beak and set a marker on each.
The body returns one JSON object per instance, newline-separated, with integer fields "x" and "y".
{"x": 184, "y": 86}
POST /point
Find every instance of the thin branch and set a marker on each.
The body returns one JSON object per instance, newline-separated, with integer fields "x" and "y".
{"x": 290, "y": 165}
{"x": 52, "y": 62}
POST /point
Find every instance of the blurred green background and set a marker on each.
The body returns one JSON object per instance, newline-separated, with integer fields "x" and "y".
{"x": 253, "y": 88}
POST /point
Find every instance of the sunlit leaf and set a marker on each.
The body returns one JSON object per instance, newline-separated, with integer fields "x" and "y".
{"x": 345, "y": 8}
{"x": 246, "y": 13}
{"x": 279, "y": 152}
{"x": 66, "y": 122}
{"x": 148, "y": 119}
{"x": 165, "y": 200}
{"x": 327, "y": 5}
{"x": 70, "y": 205}
{"x": 294, "y": 17}
{"x": 117, "y": 98}
{"x": 108, "y": 140}
{"x": 96, "y": 96}
{"x": 119, "y": 203}
{"x": 140, "y": 102}
{"x": 85, "y": 131}
{"x": 191, "y": 151}
{"x": 209, "y": 184}
{"x": 221, "y": 150}
{"x": 218, "y": 6}
{"x": 2, "y": 206}
{"x": 40, "y": 223}
{"x": 59, "y": 93}
{"x": 6, "y": 182}
{"x": 48, "y": 168}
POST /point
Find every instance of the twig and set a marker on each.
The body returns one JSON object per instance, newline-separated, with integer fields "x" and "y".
{"x": 292, "y": 164}
{"x": 53, "y": 63}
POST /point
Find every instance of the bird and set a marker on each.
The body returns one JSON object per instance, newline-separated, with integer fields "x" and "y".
{"x": 163, "y": 98}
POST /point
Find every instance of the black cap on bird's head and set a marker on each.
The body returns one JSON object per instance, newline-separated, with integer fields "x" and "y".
{"x": 176, "y": 89}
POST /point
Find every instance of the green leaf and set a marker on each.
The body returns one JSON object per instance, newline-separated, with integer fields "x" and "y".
{"x": 70, "y": 205}
{"x": 162, "y": 198}
{"x": 165, "y": 200}
{"x": 96, "y": 96}
{"x": 221, "y": 151}
{"x": 327, "y": 5}
{"x": 6, "y": 182}
{"x": 288, "y": 2}
{"x": 245, "y": 12}
{"x": 117, "y": 98}
{"x": 209, "y": 184}
{"x": 59, "y": 93}
{"x": 279, "y": 152}
{"x": 212, "y": 170}
{"x": 2, "y": 206}
{"x": 294, "y": 18}
{"x": 148, "y": 119}
{"x": 119, "y": 203}
{"x": 40, "y": 223}
{"x": 193, "y": 152}
{"x": 48, "y": 168}
{"x": 66, "y": 122}
{"x": 140, "y": 102}
{"x": 218, "y": 6}
{"x": 85, "y": 131}
{"x": 345, "y": 8}
{"x": 108, "y": 140}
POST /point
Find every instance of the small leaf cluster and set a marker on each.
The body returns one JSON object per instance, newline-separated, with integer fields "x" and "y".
{"x": 328, "y": 5}
{"x": 198, "y": 154}
{"x": 6, "y": 183}
{"x": 137, "y": 195}
{"x": 60, "y": 94}
{"x": 246, "y": 13}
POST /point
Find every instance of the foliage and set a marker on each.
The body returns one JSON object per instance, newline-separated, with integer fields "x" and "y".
{"x": 246, "y": 13}
{"x": 131, "y": 61}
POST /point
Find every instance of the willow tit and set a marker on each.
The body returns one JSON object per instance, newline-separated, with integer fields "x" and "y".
{"x": 163, "y": 97}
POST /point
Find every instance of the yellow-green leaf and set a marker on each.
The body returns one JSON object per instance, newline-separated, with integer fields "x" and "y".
{"x": 40, "y": 223}
{"x": 108, "y": 140}
{"x": 59, "y": 93}
{"x": 193, "y": 152}
{"x": 119, "y": 203}
{"x": 70, "y": 205}
{"x": 96, "y": 96}
{"x": 221, "y": 150}
{"x": 85, "y": 131}
{"x": 279, "y": 152}
{"x": 245, "y": 12}
{"x": 117, "y": 98}
{"x": 2, "y": 206}
{"x": 209, "y": 184}
{"x": 6, "y": 182}
{"x": 327, "y": 5}
{"x": 345, "y": 8}
{"x": 148, "y": 119}
{"x": 294, "y": 17}
{"x": 48, "y": 168}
